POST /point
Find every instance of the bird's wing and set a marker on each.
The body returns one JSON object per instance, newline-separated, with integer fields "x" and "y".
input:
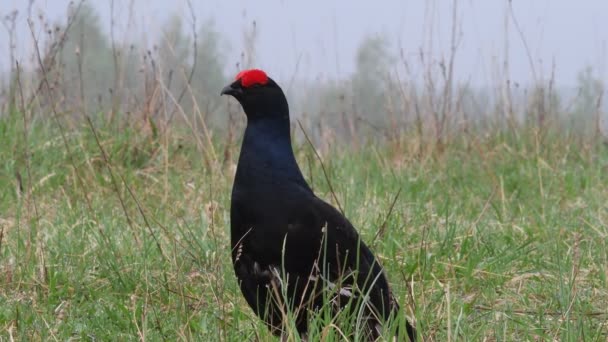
{"x": 346, "y": 255}
{"x": 303, "y": 250}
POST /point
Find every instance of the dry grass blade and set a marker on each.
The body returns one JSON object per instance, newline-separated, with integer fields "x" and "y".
{"x": 45, "y": 82}
{"x": 380, "y": 233}
{"x": 326, "y": 175}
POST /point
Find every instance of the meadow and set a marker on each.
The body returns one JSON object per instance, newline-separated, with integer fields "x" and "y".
{"x": 487, "y": 207}
{"x": 118, "y": 232}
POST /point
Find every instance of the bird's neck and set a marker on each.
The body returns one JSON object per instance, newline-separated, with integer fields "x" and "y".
{"x": 267, "y": 155}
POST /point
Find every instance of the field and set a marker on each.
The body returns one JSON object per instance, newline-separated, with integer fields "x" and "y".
{"x": 121, "y": 232}
{"x": 485, "y": 203}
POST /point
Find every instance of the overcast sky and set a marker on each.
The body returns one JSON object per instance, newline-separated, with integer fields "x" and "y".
{"x": 320, "y": 38}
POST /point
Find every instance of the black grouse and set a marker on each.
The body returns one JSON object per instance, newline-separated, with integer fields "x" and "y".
{"x": 293, "y": 252}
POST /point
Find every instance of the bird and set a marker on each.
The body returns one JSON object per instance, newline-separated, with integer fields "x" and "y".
{"x": 293, "y": 252}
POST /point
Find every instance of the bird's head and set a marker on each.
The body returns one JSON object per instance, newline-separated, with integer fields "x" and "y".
{"x": 259, "y": 95}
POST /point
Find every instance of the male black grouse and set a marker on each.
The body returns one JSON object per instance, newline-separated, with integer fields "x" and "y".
{"x": 293, "y": 252}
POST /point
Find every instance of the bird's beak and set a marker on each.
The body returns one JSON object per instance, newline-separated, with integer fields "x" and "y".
{"x": 230, "y": 90}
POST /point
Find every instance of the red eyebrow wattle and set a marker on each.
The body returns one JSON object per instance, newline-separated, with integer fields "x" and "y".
{"x": 251, "y": 77}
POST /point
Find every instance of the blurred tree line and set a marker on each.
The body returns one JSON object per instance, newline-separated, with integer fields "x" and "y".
{"x": 178, "y": 77}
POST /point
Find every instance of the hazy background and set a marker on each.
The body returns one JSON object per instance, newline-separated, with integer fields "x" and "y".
{"x": 321, "y": 37}
{"x": 338, "y": 60}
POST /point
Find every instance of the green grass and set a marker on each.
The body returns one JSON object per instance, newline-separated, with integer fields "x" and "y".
{"x": 496, "y": 238}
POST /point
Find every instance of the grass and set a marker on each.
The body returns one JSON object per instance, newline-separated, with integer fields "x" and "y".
{"x": 496, "y": 238}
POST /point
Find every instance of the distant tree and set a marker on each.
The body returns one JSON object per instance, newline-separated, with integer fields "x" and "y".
{"x": 330, "y": 104}
{"x": 209, "y": 73}
{"x": 174, "y": 54}
{"x": 360, "y": 105}
{"x": 371, "y": 81}
{"x": 587, "y": 102}
{"x": 86, "y": 64}
{"x": 192, "y": 72}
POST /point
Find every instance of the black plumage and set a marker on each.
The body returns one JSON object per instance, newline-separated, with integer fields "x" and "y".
{"x": 293, "y": 252}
